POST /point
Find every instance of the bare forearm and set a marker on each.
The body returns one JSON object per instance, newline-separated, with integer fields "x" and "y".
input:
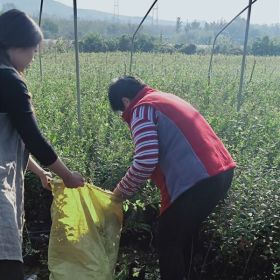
{"x": 70, "y": 178}
{"x": 40, "y": 172}
{"x": 60, "y": 169}
{"x": 119, "y": 194}
{"x": 34, "y": 167}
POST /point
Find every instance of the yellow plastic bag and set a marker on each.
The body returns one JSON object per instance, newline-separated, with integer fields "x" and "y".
{"x": 85, "y": 233}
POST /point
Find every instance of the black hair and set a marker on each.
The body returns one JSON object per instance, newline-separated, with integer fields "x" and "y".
{"x": 17, "y": 30}
{"x": 126, "y": 86}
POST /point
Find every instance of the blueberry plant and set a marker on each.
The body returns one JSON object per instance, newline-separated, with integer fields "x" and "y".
{"x": 241, "y": 239}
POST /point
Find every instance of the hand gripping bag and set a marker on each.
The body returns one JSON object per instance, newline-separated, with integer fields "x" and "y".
{"x": 85, "y": 233}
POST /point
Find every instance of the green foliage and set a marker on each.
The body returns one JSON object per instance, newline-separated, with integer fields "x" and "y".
{"x": 50, "y": 29}
{"x": 145, "y": 43}
{"x": 58, "y": 46}
{"x": 124, "y": 43}
{"x": 241, "y": 239}
{"x": 188, "y": 32}
{"x": 190, "y": 49}
{"x": 93, "y": 43}
{"x": 179, "y": 24}
{"x": 265, "y": 46}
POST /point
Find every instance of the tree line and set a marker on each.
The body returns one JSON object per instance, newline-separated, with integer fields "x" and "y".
{"x": 94, "y": 42}
{"x": 186, "y": 37}
{"x": 189, "y": 38}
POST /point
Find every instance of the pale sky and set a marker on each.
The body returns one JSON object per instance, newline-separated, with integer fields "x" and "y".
{"x": 263, "y": 11}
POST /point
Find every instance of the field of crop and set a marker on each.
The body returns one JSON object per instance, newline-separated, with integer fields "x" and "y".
{"x": 241, "y": 240}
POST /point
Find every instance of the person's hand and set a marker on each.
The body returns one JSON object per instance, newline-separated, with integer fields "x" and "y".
{"x": 73, "y": 180}
{"x": 118, "y": 194}
{"x": 45, "y": 178}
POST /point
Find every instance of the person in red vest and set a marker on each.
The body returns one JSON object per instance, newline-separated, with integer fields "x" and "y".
{"x": 178, "y": 150}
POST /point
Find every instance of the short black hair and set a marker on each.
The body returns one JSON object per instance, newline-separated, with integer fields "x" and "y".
{"x": 126, "y": 86}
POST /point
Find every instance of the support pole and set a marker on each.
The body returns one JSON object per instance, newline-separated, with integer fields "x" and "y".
{"x": 215, "y": 39}
{"x": 239, "y": 96}
{"x": 133, "y": 37}
{"x": 40, "y": 54}
{"x": 77, "y": 67}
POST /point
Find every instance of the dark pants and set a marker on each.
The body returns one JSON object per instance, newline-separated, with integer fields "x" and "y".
{"x": 11, "y": 270}
{"x": 182, "y": 219}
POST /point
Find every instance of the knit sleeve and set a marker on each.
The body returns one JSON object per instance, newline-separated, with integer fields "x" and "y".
{"x": 146, "y": 153}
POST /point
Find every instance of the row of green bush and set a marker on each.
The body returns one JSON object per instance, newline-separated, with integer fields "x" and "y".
{"x": 241, "y": 239}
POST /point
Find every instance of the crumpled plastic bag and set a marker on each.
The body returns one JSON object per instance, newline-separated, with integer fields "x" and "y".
{"x": 85, "y": 233}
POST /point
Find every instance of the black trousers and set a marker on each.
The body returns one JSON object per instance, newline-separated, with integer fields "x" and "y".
{"x": 182, "y": 219}
{"x": 11, "y": 270}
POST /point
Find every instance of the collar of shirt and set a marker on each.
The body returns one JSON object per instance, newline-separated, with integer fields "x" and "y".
{"x": 127, "y": 114}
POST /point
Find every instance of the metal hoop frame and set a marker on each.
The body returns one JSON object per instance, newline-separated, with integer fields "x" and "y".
{"x": 239, "y": 96}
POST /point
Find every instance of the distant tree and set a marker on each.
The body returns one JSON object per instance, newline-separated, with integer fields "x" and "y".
{"x": 145, "y": 43}
{"x": 161, "y": 38}
{"x": 224, "y": 45}
{"x": 93, "y": 43}
{"x": 112, "y": 29}
{"x": 262, "y": 46}
{"x": 124, "y": 43}
{"x": 187, "y": 27}
{"x": 62, "y": 45}
{"x": 166, "y": 48}
{"x": 179, "y": 24}
{"x": 191, "y": 32}
{"x": 207, "y": 26}
{"x": 112, "y": 45}
{"x": 266, "y": 46}
{"x": 188, "y": 49}
{"x": 275, "y": 46}
{"x": 195, "y": 25}
{"x": 178, "y": 46}
{"x": 236, "y": 30}
{"x": 217, "y": 49}
{"x": 50, "y": 29}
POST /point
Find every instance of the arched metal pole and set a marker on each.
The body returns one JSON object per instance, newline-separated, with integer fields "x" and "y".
{"x": 77, "y": 67}
{"x": 215, "y": 39}
{"x": 133, "y": 37}
{"x": 40, "y": 55}
{"x": 239, "y": 96}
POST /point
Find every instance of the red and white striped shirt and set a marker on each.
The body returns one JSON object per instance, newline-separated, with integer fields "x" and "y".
{"x": 146, "y": 154}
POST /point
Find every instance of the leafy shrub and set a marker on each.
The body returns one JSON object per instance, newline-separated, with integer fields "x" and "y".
{"x": 241, "y": 239}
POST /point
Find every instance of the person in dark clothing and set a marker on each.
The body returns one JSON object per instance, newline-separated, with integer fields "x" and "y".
{"x": 175, "y": 147}
{"x": 20, "y": 136}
